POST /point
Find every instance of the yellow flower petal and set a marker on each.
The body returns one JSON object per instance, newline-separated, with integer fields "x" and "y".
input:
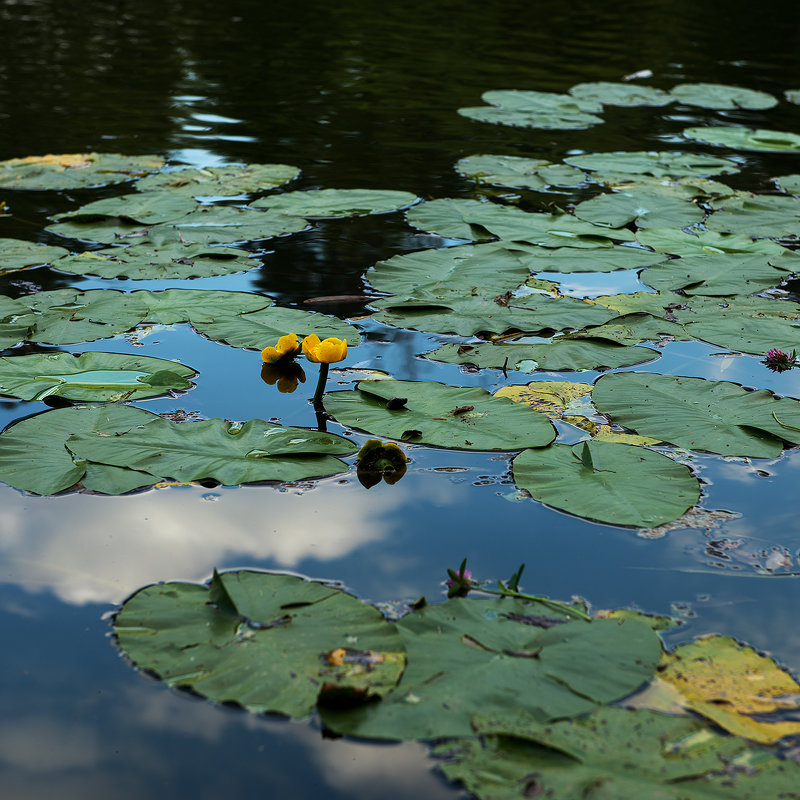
{"x": 288, "y": 347}
{"x": 326, "y": 351}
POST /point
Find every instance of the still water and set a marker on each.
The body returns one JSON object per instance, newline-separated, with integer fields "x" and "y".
{"x": 357, "y": 96}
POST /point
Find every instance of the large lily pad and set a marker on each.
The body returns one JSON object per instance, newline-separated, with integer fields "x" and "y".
{"x": 632, "y": 329}
{"x": 646, "y": 210}
{"x": 18, "y": 254}
{"x": 721, "y": 96}
{"x": 570, "y": 259}
{"x": 620, "y": 94}
{"x": 699, "y": 242}
{"x": 197, "y": 305}
{"x": 469, "y": 655}
{"x": 260, "y": 328}
{"x": 145, "y": 262}
{"x": 74, "y": 170}
{"x": 666, "y": 164}
{"x": 231, "y": 179}
{"x": 758, "y": 216}
{"x": 522, "y": 173}
{"x": 612, "y": 753}
{"x": 267, "y": 642}
{"x": 230, "y": 453}
{"x": 33, "y": 456}
{"x": 336, "y": 203}
{"x": 613, "y": 483}
{"x": 477, "y": 221}
{"x": 146, "y": 209}
{"x": 91, "y": 376}
{"x": 535, "y": 110}
{"x": 747, "y": 138}
{"x": 560, "y": 354}
{"x": 439, "y": 415}
{"x": 697, "y": 414}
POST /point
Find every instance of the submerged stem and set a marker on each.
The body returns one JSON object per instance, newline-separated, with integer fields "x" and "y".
{"x": 320, "y": 390}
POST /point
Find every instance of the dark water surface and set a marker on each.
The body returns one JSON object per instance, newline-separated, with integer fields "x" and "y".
{"x": 357, "y": 95}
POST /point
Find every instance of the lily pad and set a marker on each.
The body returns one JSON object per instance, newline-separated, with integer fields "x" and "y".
{"x": 793, "y": 95}
{"x": 477, "y": 221}
{"x": 146, "y": 209}
{"x": 145, "y": 262}
{"x": 336, "y": 203}
{"x": 697, "y": 242}
{"x": 721, "y": 96}
{"x": 259, "y": 328}
{"x": 759, "y": 139}
{"x": 91, "y": 376}
{"x": 696, "y": 414}
{"x": 560, "y": 354}
{"x": 270, "y": 643}
{"x": 613, "y": 483}
{"x": 653, "y": 303}
{"x": 522, "y": 173}
{"x": 788, "y": 183}
{"x": 468, "y": 655}
{"x": 666, "y": 164}
{"x": 545, "y": 110}
{"x": 231, "y": 179}
{"x": 758, "y": 216}
{"x": 439, "y": 415}
{"x": 18, "y": 254}
{"x": 231, "y": 453}
{"x": 645, "y": 210}
{"x": 570, "y": 259}
{"x": 620, "y": 94}
{"x": 612, "y": 753}
{"x": 688, "y": 188}
{"x": 33, "y": 456}
{"x": 74, "y": 170}
{"x": 632, "y": 329}
{"x": 196, "y": 305}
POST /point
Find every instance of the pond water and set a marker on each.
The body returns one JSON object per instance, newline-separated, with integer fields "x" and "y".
{"x": 357, "y": 96}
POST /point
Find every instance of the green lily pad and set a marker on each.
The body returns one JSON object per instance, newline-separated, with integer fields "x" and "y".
{"x": 270, "y": 643}
{"x": 522, "y": 173}
{"x": 261, "y": 328}
{"x": 570, "y": 259}
{"x": 104, "y": 479}
{"x": 68, "y": 316}
{"x": 148, "y": 208}
{"x": 746, "y": 138}
{"x": 231, "y": 453}
{"x": 545, "y": 110}
{"x": 646, "y": 210}
{"x": 759, "y": 216}
{"x": 632, "y": 329}
{"x": 612, "y": 753}
{"x": 170, "y": 306}
{"x": 468, "y": 655}
{"x": 231, "y": 179}
{"x": 558, "y": 355}
{"x": 788, "y": 183}
{"x": 689, "y": 188}
{"x": 74, "y": 170}
{"x": 336, "y": 203}
{"x": 720, "y": 96}
{"x": 477, "y": 221}
{"x": 666, "y": 164}
{"x": 439, "y": 415}
{"x": 792, "y": 95}
{"x": 144, "y": 262}
{"x": 18, "y": 254}
{"x": 33, "y": 456}
{"x": 654, "y": 303}
{"x": 717, "y": 275}
{"x": 613, "y": 483}
{"x": 620, "y": 94}
{"x": 697, "y": 242}
{"x": 697, "y": 414}
{"x": 91, "y": 376}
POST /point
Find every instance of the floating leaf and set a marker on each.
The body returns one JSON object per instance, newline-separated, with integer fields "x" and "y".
{"x": 620, "y": 94}
{"x": 230, "y": 453}
{"x": 569, "y": 259}
{"x": 632, "y": 329}
{"x": 788, "y": 183}
{"x": 231, "y": 179}
{"x": 645, "y": 210}
{"x": 534, "y": 110}
{"x": 74, "y": 170}
{"x": 551, "y": 398}
{"x": 145, "y": 262}
{"x": 757, "y": 216}
{"x": 468, "y": 655}
{"x": 278, "y": 644}
{"x": 622, "y": 485}
{"x": 612, "y": 753}
{"x": 91, "y": 376}
{"x": 560, "y": 354}
{"x": 655, "y": 303}
{"x": 145, "y": 209}
{"x": 746, "y": 138}
{"x": 523, "y": 173}
{"x": 697, "y": 414}
{"x": 689, "y": 188}
{"x": 32, "y": 452}
{"x": 697, "y": 242}
{"x": 667, "y": 164}
{"x": 197, "y": 305}
{"x": 18, "y": 254}
{"x": 336, "y": 203}
{"x": 718, "y": 95}
{"x": 439, "y": 415}
{"x": 792, "y": 95}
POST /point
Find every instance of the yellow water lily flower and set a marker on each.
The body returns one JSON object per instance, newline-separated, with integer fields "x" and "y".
{"x": 288, "y": 347}
{"x": 326, "y": 351}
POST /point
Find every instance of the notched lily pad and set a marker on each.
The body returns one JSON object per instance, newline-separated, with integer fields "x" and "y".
{"x": 16, "y": 254}
{"x": 758, "y": 139}
{"x": 620, "y": 94}
{"x": 721, "y": 96}
{"x": 644, "y": 209}
{"x": 665, "y": 164}
{"x": 522, "y": 173}
{"x": 336, "y": 203}
{"x": 228, "y": 180}
{"x": 144, "y": 209}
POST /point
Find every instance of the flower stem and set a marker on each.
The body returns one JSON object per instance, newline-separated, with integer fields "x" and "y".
{"x": 553, "y": 603}
{"x": 320, "y": 390}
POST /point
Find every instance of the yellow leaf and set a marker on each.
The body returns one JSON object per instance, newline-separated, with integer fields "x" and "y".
{"x": 548, "y": 397}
